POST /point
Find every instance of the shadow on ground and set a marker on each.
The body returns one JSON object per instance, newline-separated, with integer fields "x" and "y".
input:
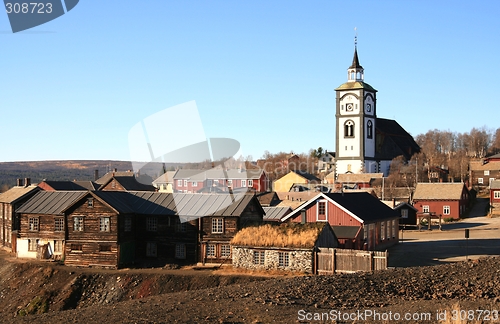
{"x": 415, "y": 254}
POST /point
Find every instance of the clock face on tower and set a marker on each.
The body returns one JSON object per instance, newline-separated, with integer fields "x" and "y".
{"x": 368, "y": 107}
{"x": 349, "y": 107}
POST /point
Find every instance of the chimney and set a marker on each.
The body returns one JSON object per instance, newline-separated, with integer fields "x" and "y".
{"x": 27, "y": 182}
{"x": 115, "y": 170}
{"x": 19, "y": 182}
{"x": 96, "y": 175}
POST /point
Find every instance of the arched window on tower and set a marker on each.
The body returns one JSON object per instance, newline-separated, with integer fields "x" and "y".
{"x": 358, "y": 76}
{"x": 352, "y": 75}
{"x": 349, "y": 128}
{"x": 369, "y": 129}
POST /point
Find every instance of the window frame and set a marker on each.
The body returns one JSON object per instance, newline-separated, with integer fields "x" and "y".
{"x": 151, "y": 249}
{"x": 33, "y": 245}
{"x": 243, "y": 183}
{"x": 90, "y": 202}
{"x": 322, "y": 205}
{"x": 446, "y": 210}
{"x": 404, "y": 213}
{"x": 250, "y": 182}
{"x": 78, "y": 224}
{"x": 58, "y": 224}
{"x": 496, "y": 194}
{"x": 151, "y": 224}
{"x": 180, "y": 251}
{"x": 259, "y": 257}
{"x": 217, "y": 225}
{"x": 105, "y": 224}
{"x": 425, "y": 209}
{"x": 284, "y": 259}
{"x": 225, "y": 250}
{"x": 127, "y": 224}
{"x": 211, "y": 251}
{"x": 34, "y": 224}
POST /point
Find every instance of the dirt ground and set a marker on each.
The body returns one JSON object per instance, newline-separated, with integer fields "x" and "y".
{"x": 410, "y": 292}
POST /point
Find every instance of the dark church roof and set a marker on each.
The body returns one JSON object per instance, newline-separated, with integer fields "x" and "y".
{"x": 393, "y": 140}
{"x": 355, "y": 61}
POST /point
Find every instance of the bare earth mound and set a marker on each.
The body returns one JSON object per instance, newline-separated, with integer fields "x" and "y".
{"x": 163, "y": 296}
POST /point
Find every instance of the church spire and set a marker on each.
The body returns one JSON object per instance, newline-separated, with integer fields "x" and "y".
{"x": 355, "y": 71}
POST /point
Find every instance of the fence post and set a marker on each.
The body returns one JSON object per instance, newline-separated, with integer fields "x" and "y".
{"x": 372, "y": 261}
{"x": 333, "y": 261}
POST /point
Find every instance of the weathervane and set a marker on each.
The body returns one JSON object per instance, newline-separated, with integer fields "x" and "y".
{"x": 355, "y": 37}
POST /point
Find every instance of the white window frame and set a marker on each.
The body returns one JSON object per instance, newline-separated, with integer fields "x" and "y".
{"x": 104, "y": 224}
{"x": 250, "y": 182}
{"x": 34, "y": 224}
{"x": 229, "y": 182}
{"x": 179, "y": 183}
{"x": 59, "y": 224}
{"x": 78, "y": 224}
{"x": 211, "y": 251}
{"x": 259, "y": 257}
{"x": 425, "y": 209}
{"x": 486, "y": 172}
{"x": 180, "y": 251}
{"x": 152, "y": 224}
{"x": 32, "y": 244}
{"x": 404, "y": 213}
{"x": 446, "y": 210}
{"x": 217, "y": 225}
{"x": 283, "y": 259}
{"x": 58, "y": 245}
{"x": 318, "y": 203}
{"x": 194, "y": 183}
{"x": 480, "y": 180}
{"x": 185, "y": 183}
{"x": 496, "y": 194}
{"x": 243, "y": 183}
{"x": 225, "y": 250}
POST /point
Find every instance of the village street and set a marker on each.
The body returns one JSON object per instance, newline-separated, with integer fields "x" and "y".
{"x": 432, "y": 247}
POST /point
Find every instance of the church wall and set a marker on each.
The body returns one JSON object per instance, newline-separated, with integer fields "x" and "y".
{"x": 344, "y": 166}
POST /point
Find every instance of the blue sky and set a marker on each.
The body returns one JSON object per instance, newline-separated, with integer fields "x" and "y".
{"x": 261, "y": 72}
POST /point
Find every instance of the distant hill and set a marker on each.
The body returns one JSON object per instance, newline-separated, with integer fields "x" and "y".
{"x": 60, "y": 170}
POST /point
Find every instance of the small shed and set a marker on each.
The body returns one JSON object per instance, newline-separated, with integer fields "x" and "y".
{"x": 407, "y": 214}
{"x": 287, "y": 246}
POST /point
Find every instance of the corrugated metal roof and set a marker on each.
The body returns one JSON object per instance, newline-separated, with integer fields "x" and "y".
{"x": 217, "y": 173}
{"x": 438, "y": 191}
{"x": 346, "y": 232}
{"x": 276, "y": 213}
{"x": 105, "y": 178}
{"x": 16, "y": 193}
{"x": 51, "y": 202}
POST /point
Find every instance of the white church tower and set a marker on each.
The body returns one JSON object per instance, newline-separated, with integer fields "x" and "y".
{"x": 356, "y": 114}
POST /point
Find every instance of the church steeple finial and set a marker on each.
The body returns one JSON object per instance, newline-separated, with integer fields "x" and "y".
{"x": 355, "y": 71}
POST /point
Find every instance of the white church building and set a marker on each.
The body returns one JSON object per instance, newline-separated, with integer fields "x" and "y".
{"x": 364, "y": 142}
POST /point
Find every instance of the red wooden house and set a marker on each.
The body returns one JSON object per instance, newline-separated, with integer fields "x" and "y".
{"x": 377, "y": 223}
{"x": 495, "y": 197}
{"x": 450, "y": 200}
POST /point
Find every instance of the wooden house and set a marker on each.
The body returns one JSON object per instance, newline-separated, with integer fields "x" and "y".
{"x": 495, "y": 197}
{"x": 378, "y": 222}
{"x": 289, "y": 247}
{"x": 407, "y": 214}
{"x": 284, "y": 183}
{"x": 450, "y": 200}
{"x": 482, "y": 172}
{"x": 10, "y": 201}
{"x": 217, "y": 228}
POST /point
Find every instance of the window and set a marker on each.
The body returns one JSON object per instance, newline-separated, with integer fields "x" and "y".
{"x": 369, "y": 129}
{"x": 59, "y": 224}
{"x": 151, "y": 249}
{"x": 321, "y": 216}
{"x": 32, "y": 244}
{"x": 250, "y": 183}
{"x": 217, "y": 225}
{"x": 382, "y": 231}
{"x": 349, "y": 129}
{"x": 104, "y": 224}
{"x": 496, "y": 195}
{"x": 487, "y": 172}
{"x": 259, "y": 257}
{"x": 225, "y": 250}
{"x": 394, "y": 228}
{"x": 211, "y": 251}
{"x": 229, "y": 183}
{"x": 365, "y": 232}
{"x": 180, "y": 251}
{"x": 479, "y": 180}
{"x": 179, "y": 183}
{"x": 76, "y": 248}
{"x": 194, "y": 184}
{"x": 58, "y": 246}
{"x": 104, "y": 247}
{"x": 185, "y": 183}
{"x": 446, "y": 210}
{"x": 78, "y": 224}
{"x": 151, "y": 224}
{"x": 283, "y": 259}
{"x": 90, "y": 203}
{"x": 209, "y": 183}
{"x": 127, "y": 224}
{"x": 425, "y": 208}
{"x": 34, "y": 226}
{"x": 180, "y": 227}
{"x": 404, "y": 213}
{"x": 243, "y": 183}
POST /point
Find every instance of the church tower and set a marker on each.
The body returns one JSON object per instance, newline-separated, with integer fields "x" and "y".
{"x": 356, "y": 115}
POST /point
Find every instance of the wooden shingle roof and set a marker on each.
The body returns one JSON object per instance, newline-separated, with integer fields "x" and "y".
{"x": 438, "y": 191}
{"x": 16, "y": 193}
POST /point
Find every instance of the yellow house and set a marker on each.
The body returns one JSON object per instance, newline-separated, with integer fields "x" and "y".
{"x": 284, "y": 183}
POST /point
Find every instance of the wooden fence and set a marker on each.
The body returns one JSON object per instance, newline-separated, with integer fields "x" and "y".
{"x": 331, "y": 261}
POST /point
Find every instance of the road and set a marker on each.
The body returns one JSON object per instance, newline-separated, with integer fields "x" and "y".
{"x": 419, "y": 248}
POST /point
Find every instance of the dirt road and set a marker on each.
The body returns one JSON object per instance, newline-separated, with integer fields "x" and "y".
{"x": 434, "y": 247}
